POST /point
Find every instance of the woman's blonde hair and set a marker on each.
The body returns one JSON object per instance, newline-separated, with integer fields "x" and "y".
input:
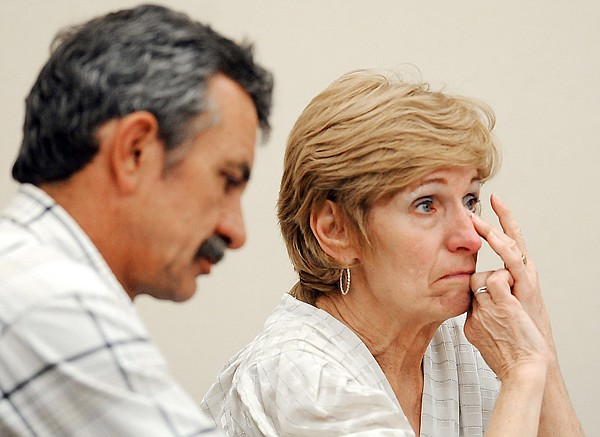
{"x": 362, "y": 140}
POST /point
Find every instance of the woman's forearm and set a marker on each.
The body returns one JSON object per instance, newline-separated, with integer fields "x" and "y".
{"x": 558, "y": 416}
{"x": 518, "y": 407}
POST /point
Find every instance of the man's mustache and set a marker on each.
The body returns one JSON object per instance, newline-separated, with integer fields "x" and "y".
{"x": 213, "y": 249}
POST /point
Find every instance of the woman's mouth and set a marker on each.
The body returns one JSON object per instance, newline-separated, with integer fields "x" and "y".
{"x": 458, "y": 275}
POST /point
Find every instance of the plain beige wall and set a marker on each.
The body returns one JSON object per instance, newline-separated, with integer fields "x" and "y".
{"x": 536, "y": 63}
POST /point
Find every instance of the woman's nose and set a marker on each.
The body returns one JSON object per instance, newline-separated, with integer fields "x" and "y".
{"x": 462, "y": 233}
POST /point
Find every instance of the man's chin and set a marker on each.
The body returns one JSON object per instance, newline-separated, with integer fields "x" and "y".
{"x": 171, "y": 287}
{"x": 185, "y": 291}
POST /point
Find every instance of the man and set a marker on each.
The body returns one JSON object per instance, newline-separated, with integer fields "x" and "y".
{"x": 138, "y": 142}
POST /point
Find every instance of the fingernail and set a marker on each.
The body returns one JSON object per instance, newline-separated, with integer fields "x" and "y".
{"x": 498, "y": 199}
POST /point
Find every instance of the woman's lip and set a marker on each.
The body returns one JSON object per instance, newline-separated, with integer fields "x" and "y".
{"x": 457, "y": 274}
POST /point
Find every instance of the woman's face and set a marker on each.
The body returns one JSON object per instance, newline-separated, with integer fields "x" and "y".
{"x": 424, "y": 247}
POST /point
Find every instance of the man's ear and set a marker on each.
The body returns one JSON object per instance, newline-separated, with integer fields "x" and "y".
{"x": 133, "y": 148}
{"x": 328, "y": 224}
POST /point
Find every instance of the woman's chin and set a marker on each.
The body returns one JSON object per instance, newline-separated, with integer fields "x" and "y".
{"x": 458, "y": 305}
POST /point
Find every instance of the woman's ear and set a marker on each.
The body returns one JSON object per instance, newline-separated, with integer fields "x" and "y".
{"x": 329, "y": 226}
{"x": 133, "y": 148}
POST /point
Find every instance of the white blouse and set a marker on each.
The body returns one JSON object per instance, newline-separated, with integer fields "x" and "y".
{"x": 308, "y": 374}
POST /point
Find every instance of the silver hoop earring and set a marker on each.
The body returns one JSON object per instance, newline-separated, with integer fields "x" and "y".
{"x": 346, "y": 289}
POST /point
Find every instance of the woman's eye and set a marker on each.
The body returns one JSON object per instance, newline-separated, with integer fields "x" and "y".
{"x": 425, "y": 205}
{"x": 472, "y": 202}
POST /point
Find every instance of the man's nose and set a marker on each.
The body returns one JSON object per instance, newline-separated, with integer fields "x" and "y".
{"x": 231, "y": 226}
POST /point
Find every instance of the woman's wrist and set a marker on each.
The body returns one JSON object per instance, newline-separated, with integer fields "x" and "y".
{"x": 533, "y": 373}
{"x": 519, "y": 405}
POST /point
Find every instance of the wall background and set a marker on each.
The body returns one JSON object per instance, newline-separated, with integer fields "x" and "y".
{"x": 536, "y": 63}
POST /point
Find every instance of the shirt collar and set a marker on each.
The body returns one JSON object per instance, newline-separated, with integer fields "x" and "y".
{"x": 37, "y": 211}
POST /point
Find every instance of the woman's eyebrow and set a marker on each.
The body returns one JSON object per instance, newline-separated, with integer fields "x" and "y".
{"x": 438, "y": 181}
{"x": 432, "y": 181}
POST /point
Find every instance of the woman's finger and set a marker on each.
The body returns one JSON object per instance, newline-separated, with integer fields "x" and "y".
{"x": 478, "y": 282}
{"x": 481, "y": 296}
{"x": 508, "y": 222}
{"x": 495, "y": 285}
{"x": 504, "y": 246}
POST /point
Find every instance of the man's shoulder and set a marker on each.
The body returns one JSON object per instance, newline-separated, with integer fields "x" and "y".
{"x": 34, "y": 274}
{"x": 23, "y": 257}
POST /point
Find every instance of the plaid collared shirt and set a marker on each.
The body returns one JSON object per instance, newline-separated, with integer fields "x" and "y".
{"x": 75, "y": 358}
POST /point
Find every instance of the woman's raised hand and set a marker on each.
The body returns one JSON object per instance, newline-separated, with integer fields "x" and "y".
{"x": 508, "y": 322}
{"x": 501, "y": 329}
{"x": 510, "y": 246}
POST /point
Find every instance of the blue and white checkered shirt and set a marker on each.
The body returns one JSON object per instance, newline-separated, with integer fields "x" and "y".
{"x": 75, "y": 357}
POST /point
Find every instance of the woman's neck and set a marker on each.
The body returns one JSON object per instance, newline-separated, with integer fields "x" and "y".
{"x": 398, "y": 344}
{"x": 397, "y": 339}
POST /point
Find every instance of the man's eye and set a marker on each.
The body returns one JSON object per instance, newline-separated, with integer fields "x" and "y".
{"x": 231, "y": 181}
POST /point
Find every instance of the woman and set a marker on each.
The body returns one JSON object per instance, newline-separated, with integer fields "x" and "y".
{"x": 381, "y": 182}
